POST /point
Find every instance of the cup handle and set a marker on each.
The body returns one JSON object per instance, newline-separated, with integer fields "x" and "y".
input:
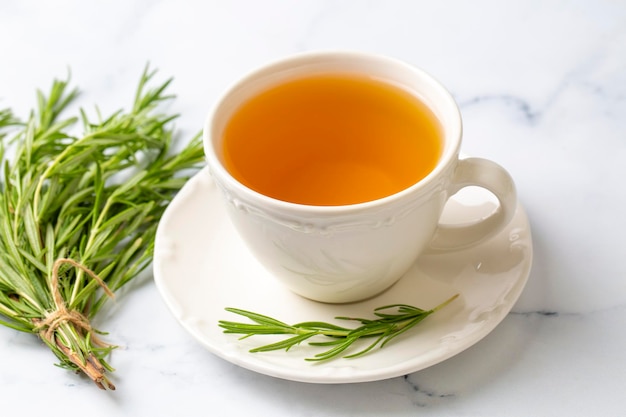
{"x": 491, "y": 176}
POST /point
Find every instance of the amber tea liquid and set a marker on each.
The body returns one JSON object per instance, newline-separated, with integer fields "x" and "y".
{"x": 331, "y": 140}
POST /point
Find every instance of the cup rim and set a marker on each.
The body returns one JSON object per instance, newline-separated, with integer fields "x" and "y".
{"x": 226, "y": 181}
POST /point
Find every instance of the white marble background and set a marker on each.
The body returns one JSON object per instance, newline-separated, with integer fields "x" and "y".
{"x": 542, "y": 89}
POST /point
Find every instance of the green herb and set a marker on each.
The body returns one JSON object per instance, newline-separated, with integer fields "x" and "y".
{"x": 78, "y": 214}
{"x": 392, "y": 321}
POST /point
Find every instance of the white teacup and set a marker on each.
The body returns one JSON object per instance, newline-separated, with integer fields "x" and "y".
{"x": 352, "y": 252}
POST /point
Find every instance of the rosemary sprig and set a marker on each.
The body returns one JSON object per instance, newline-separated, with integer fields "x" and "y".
{"x": 78, "y": 214}
{"x": 392, "y": 321}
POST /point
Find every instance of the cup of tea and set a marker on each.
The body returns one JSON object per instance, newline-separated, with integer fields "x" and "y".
{"x": 335, "y": 168}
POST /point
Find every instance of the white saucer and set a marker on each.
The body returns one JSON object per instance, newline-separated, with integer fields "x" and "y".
{"x": 201, "y": 266}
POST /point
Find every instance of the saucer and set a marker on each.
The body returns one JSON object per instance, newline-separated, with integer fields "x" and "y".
{"x": 201, "y": 266}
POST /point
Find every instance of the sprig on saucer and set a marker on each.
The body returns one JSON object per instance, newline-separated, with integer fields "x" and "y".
{"x": 392, "y": 321}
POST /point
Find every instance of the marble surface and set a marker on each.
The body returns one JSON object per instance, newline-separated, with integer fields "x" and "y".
{"x": 542, "y": 90}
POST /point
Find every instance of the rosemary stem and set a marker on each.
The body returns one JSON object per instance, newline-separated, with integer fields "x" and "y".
{"x": 445, "y": 303}
{"x": 78, "y": 283}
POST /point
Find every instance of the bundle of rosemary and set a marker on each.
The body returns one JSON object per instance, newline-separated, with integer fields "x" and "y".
{"x": 78, "y": 214}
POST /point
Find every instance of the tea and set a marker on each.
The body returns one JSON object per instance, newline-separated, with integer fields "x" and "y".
{"x": 330, "y": 140}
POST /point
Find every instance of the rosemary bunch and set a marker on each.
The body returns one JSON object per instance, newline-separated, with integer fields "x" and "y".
{"x": 392, "y": 321}
{"x": 78, "y": 214}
